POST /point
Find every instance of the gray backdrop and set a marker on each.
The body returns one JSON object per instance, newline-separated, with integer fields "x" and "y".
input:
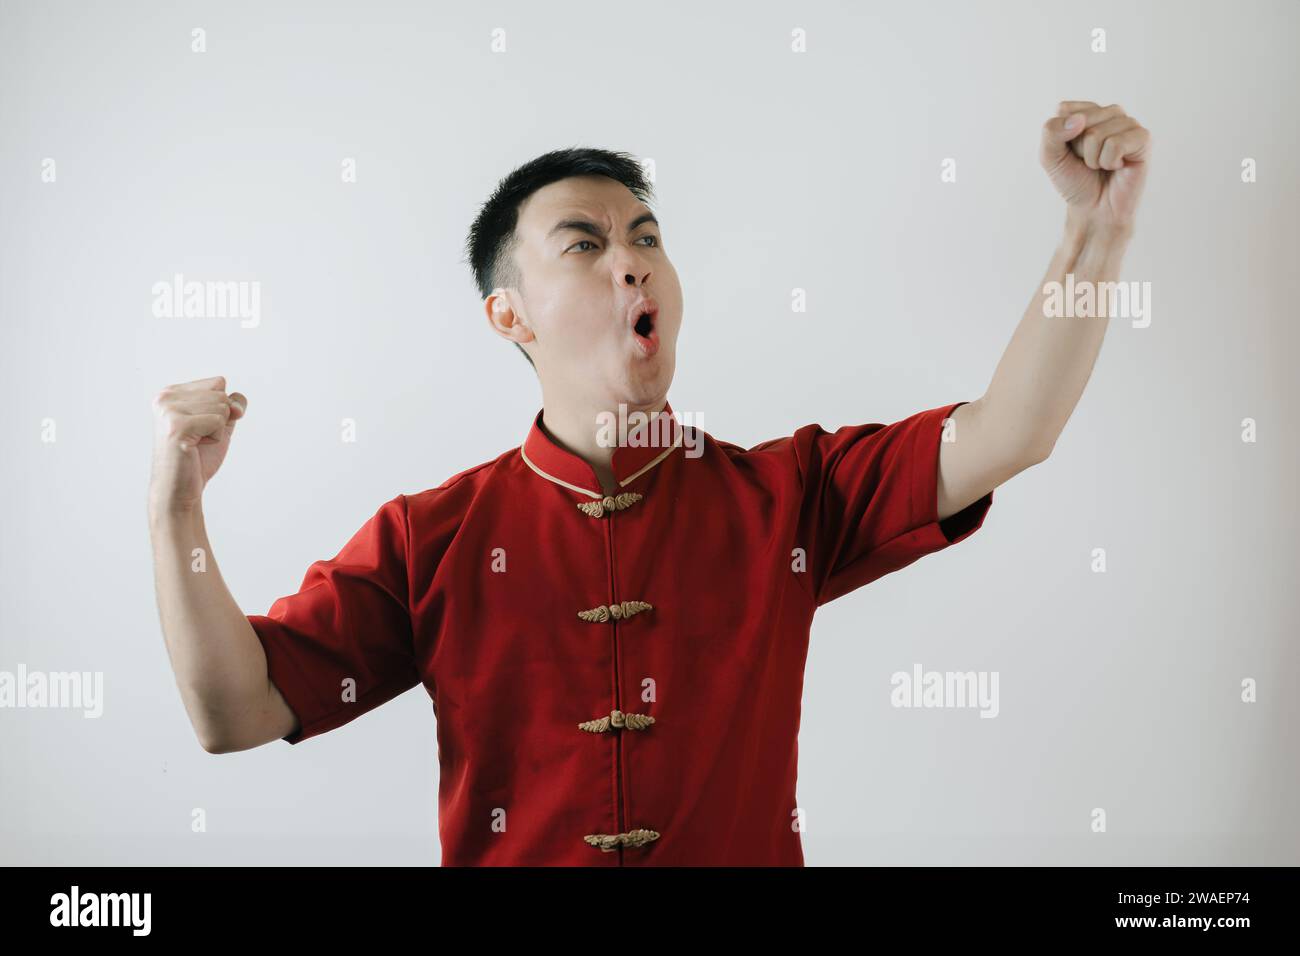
{"x": 775, "y": 170}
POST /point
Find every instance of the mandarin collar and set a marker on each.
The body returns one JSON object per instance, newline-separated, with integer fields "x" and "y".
{"x": 629, "y": 462}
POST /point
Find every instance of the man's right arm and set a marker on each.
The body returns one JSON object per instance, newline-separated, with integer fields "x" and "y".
{"x": 216, "y": 655}
{"x": 218, "y": 661}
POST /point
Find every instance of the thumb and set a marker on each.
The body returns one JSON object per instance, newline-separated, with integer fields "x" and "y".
{"x": 238, "y": 406}
{"x": 1057, "y": 133}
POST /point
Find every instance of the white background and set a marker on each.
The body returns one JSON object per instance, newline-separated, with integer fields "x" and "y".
{"x": 775, "y": 170}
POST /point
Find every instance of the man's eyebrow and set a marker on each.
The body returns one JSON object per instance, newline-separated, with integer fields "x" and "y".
{"x": 589, "y": 227}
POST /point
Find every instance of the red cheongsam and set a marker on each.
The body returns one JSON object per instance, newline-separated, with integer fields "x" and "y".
{"x": 616, "y": 678}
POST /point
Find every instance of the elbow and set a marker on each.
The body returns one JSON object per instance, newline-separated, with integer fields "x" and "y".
{"x": 215, "y": 745}
{"x": 1038, "y": 453}
{"x": 1036, "y": 449}
{"x": 215, "y": 740}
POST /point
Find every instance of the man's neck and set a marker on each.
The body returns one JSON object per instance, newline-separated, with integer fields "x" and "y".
{"x": 576, "y": 428}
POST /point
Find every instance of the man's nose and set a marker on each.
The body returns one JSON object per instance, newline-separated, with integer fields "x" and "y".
{"x": 630, "y": 269}
{"x": 630, "y": 278}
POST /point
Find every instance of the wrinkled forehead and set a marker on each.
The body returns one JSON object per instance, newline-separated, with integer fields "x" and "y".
{"x": 604, "y": 201}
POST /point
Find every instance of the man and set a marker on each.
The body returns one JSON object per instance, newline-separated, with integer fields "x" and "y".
{"x": 612, "y": 619}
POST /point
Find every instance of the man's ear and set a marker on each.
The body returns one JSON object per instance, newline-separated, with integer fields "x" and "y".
{"x": 503, "y": 318}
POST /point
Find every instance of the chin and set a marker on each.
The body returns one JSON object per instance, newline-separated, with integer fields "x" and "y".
{"x": 642, "y": 391}
{"x": 652, "y": 386}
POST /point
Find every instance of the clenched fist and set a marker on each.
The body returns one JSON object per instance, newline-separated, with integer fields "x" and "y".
{"x": 1096, "y": 157}
{"x": 195, "y": 422}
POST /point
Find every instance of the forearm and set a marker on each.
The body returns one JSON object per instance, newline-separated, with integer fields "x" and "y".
{"x": 218, "y": 661}
{"x": 1043, "y": 371}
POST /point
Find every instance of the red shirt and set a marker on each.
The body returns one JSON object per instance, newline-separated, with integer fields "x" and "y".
{"x": 616, "y": 681}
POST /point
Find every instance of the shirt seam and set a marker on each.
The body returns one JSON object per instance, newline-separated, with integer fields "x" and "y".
{"x": 805, "y": 586}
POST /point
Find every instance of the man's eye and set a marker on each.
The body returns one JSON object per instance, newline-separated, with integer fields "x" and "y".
{"x": 654, "y": 243}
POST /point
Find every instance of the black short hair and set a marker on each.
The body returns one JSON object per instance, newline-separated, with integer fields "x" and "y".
{"x": 491, "y": 244}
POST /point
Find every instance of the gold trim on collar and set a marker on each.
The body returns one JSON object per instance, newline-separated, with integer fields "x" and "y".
{"x": 666, "y": 452}
{"x": 559, "y": 481}
{"x": 622, "y": 484}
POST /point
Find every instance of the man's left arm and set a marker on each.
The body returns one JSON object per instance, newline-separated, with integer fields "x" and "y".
{"x": 1096, "y": 157}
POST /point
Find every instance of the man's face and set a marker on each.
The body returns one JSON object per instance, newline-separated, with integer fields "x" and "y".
{"x": 586, "y": 278}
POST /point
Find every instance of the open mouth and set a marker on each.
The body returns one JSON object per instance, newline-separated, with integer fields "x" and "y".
{"x": 641, "y": 319}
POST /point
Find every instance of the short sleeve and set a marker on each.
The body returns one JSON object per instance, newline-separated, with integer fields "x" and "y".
{"x": 349, "y": 620}
{"x": 869, "y": 500}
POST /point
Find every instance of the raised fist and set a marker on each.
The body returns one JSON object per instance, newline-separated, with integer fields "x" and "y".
{"x": 195, "y": 422}
{"x": 1096, "y": 157}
